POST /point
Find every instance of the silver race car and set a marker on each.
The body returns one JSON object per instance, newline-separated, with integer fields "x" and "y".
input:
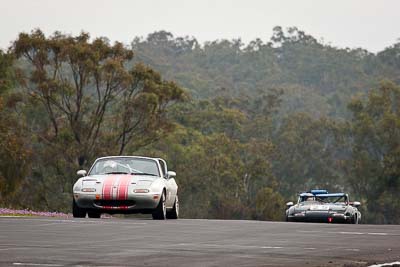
{"x": 126, "y": 184}
{"x": 321, "y": 206}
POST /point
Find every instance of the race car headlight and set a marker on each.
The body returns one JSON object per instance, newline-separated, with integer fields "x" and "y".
{"x": 338, "y": 211}
{"x": 300, "y": 213}
{"x": 338, "y": 215}
{"x": 141, "y": 190}
{"x": 88, "y": 189}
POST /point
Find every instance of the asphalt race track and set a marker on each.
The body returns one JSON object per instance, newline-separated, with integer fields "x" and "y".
{"x": 138, "y": 242}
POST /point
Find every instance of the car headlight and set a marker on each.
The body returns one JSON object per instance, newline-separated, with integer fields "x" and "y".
{"x": 338, "y": 211}
{"x": 88, "y": 189}
{"x": 141, "y": 190}
{"x": 300, "y": 213}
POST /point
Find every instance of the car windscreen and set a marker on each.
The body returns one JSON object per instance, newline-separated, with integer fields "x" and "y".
{"x": 340, "y": 200}
{"x": 125, "y": 165}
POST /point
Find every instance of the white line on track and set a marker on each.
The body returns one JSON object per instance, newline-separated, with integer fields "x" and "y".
{"x": 19, "y": 248}
{"x": 106, "y": 241}
{"x": 227, "y": 246}
{"x": 377, "y": 234}
{"x": 36, "y": 264}
{"x": 72, "y": 221}
{"x": 47, "y": 224}
{"x": 346, "y": 233}
{"x": 386, "y": 264}
{"x": 13, "y": 216}
{"x": 249, "y": 247}
{"x": 352, "y": 249}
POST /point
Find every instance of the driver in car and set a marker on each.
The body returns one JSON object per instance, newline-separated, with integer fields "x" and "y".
{"x": 109, "y": 166}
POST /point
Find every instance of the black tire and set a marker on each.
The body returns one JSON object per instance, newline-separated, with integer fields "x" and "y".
{"x": 94, "y": 214}
{"x": 174, "y": 213}
{"x": 77, "y": 212}
{"x": 355, "y": 219}
{"x": 160, "y": 213}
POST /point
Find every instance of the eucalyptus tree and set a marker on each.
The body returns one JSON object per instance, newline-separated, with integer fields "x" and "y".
{"x": 90, "y": 97}
{"x": 375, "y": 162}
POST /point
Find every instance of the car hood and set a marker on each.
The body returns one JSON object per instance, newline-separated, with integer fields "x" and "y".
{"x": 99, "y": 182}
{"x": 133, "y": 178}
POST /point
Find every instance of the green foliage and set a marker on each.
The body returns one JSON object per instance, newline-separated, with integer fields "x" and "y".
{"x": 13, "y": 159}
{"x": 313, "y": 71}
{"x": 269, "y": 205}
{"x": 391, "y": 57}
{"x": 79, "y": 82}
{"x": 218, "y": 176}
{"x": 375, "y": 133}
{"x": 7, "y": 75}
{"x": 307, "y": 153}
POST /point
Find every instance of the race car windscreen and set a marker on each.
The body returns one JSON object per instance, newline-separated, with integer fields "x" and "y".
{"x": 125, "y": 166}
{"x": 340, "y": 200}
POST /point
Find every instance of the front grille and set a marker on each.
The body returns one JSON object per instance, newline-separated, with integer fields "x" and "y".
{"x": 114, "y": 203}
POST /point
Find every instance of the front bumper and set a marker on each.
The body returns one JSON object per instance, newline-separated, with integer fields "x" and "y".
{"x": 143, "y": 201}
{"x": 318, "y": 216}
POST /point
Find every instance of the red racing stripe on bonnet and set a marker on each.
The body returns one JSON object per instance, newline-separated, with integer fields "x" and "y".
{"x": 122, "y": 193}
{"x": 107, "y": 187}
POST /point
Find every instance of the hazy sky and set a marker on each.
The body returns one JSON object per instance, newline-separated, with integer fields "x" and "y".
{"x": 371, "y": 24}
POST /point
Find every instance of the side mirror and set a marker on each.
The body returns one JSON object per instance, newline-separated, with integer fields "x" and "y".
{"x": 356, "y": 204}
{"x": 81, "y": 173}
{"x": 171, "y": 174}
{"x": 289, "y": 204}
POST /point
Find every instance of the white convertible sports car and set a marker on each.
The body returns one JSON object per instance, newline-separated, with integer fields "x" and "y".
{"x": 126, "y": 184}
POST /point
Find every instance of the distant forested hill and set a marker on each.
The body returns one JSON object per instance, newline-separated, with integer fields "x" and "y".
{"x": 315, "y": 77}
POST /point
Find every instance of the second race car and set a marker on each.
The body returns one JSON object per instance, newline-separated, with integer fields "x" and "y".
{"x": 321, "y": 206}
